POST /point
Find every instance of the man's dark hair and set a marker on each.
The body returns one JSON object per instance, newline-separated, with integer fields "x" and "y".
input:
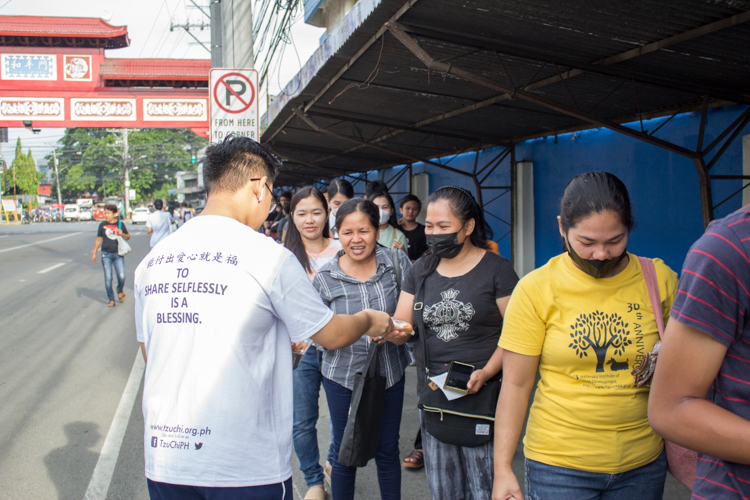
{"x": 286, "y": 194}
{"x": 231, "y": 163}
{"x": 375, "y": 187}
{"x": 158, "y": 204}
{"x": 410, "y": 197}
{"x": 111, "y": 207}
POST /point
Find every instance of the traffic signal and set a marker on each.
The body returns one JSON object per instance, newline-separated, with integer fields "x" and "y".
{"x": 193, "y": 157}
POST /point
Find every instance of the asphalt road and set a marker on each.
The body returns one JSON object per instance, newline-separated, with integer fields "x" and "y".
{"x": 65, "y": 362}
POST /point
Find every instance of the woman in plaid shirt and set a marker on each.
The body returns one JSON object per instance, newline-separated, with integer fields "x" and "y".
{"x": 362, "y": 276}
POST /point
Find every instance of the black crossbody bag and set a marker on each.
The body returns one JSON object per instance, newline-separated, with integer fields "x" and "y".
{"x": 468, "y": 421}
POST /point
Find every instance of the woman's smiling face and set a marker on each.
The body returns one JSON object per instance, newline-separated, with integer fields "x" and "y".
{"x": 358, "y": 237}
{"x": 310, "y": 218}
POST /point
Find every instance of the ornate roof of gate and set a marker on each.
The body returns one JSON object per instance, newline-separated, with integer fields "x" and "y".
{"x": 46, "y": 31}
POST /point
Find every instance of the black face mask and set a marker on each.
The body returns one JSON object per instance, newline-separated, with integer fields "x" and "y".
{"x": 444, "y": 246}
{"x": 596, "y": 268}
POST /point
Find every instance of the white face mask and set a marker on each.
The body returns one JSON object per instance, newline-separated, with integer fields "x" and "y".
{"x": 385, "y": 215}
{"x": 334, "y": 211}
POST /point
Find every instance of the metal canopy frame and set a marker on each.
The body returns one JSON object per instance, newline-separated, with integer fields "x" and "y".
{"x": 388, "y": 142}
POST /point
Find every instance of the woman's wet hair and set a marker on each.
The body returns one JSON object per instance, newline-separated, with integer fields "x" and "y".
{"x": 594, "y": 193}
{"x": 465, "y": 207}
{"x": 292, "y": 238}
{"x": 393, "y": 221}
{"x": 358, "y": 205}
{"x": 340, "y": 186}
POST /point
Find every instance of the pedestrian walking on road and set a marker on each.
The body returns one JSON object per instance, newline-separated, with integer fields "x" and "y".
{"x": 106, "y": 238}
{"x": 218, "y": 306}
{"x": 583, "y": 321}
{"x": 159, "y": 223}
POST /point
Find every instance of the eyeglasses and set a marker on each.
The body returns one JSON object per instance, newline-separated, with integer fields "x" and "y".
{"x": 259, "y": 178}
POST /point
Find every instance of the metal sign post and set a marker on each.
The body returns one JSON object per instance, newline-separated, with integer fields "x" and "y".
{"x": 234, "y": 103}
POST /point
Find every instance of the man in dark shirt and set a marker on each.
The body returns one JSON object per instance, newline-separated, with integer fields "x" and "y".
{"x": 410, "y": 208}
{"x": 106, "y": 238}
{"x": 706, "y": 351}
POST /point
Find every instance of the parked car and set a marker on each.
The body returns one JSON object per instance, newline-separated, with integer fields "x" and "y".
{"x": 140, "y": 214}
{"x": 71, "y": 212}
{"x": 86, "y": 212}
{"x": 99, "y": 211}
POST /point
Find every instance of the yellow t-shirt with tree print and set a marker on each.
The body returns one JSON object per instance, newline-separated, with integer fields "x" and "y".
{"x": 587, "y": 413}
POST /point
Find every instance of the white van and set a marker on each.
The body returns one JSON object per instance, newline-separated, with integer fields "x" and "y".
{"x": 72, "y": 212}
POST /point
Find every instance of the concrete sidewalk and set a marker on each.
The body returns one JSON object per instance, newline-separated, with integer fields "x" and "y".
{"x": 414, "y": 483}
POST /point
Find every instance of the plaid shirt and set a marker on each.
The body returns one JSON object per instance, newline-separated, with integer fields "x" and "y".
{"x": 346, "y": 295}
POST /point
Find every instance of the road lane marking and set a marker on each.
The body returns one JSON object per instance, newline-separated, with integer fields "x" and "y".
{"x": 51, "y": 268}
{"x": 38, "y": 242}
{"x": 105, "y": 466}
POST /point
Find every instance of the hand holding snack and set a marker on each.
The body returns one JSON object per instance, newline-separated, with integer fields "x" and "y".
{"x": 403, "y": 326}
{"x": 401, "y": 333}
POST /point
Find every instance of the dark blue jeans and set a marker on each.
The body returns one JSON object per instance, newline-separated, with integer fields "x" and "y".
{"x": 110, "y": 261}
{"x": 307, "y": 380}
{"x": 166, "y": 491}
{"x": 558, "y": 483}
{"x": 387, "y": 457}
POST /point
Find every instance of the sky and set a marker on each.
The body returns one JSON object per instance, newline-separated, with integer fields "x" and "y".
{"x": 148, "y": 23}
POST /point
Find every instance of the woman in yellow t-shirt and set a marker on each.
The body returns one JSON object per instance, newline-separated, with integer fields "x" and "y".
{"x": 585, "y": 320}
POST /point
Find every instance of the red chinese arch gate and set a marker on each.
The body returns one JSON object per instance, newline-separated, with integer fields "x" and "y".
{"x": 53, "y": 73}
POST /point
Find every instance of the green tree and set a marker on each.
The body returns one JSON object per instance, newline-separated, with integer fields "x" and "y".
{"x": 77, "y": 181}
{"x": 158, "y": 154}
{"x": 23, "y": 172}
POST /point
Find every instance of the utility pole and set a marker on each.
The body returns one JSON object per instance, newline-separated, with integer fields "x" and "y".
{"x": 57, "y": 176}
{"x": 126, "y": 167}
{"x": 217, "y": 38}
{"x": 237, "y": 28}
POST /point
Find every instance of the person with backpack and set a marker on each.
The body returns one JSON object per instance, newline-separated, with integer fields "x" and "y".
{"x": 363, "y": 275}
{"x": 455, "y": 296}
{"x": 584, "y": 321}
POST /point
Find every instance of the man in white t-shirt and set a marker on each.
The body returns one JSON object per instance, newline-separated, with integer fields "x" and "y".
{"x": 217, "y": 307}
{"x": 158, "y": 223}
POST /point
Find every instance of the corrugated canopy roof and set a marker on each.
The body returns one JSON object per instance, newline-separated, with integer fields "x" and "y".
{"x": 24, "y": 31}
{"x": 400, "y": 82}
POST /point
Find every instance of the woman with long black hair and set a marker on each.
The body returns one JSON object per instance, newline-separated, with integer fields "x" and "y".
{"x": 461, "y": 292}
{"x": 583, "y": 321}
{"x": 307, "y": 237}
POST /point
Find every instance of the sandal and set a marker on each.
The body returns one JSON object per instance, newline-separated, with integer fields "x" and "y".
{"x": 414, "y": 460}
{"x": 122, "y": 296}
{"x": 111, "y": 303}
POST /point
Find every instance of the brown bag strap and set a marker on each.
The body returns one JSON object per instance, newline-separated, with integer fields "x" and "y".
{"x": 652, "y": 285}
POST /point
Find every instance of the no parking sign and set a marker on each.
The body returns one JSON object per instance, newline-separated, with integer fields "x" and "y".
{"x": 234, "y": 103}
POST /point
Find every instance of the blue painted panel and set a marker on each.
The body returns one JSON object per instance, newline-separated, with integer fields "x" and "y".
{"x": 663, "y": 186}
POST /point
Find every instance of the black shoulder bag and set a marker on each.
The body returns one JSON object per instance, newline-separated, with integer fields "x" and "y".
{"x": 468, "y": 421}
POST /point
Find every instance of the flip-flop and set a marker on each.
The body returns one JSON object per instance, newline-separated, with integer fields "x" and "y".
{"x": 122, "y": 296}
{"x": 418, "y": 460}
{"x": 111, "y": 303}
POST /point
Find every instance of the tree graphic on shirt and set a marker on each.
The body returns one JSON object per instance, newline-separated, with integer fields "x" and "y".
{"x": 599, "y": 332}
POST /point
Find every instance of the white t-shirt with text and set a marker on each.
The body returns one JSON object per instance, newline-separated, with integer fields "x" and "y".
{"x": 217, "y": 306}
{"x": 159, "y": 222}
